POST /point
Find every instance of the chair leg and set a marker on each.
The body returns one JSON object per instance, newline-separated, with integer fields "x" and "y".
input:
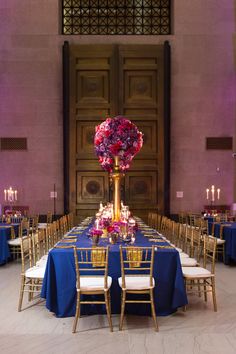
{"x": 153, "y": 311}
{"x": 31, "y": 290}
{"x": 199, "y": 287}
{"x": 205, "y": 290}
{"x": 77, "y": 313}
{"x": 186, "y": 286}
{"x": 214, "y": 294}
{"x": 21, "y": 293}
{"x": 122, "y": 309}
{"x": 108, "y": 308}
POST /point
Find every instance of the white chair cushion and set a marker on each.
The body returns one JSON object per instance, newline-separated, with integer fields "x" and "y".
{"x": 188, "y": 262}
{"x": 41, "y": 263}
{"x": 94, "y": 283}
{"x": 14, "y": 242}
{"x": 45, "y": 257}
{"x": 136, "y": 282}
{"x": 219, "y": 241}
{"x": 35, "y": 272}
{"x": 183, "y": 255}
{"x": 196, "y": 272}
{"x": 42, "y": 225}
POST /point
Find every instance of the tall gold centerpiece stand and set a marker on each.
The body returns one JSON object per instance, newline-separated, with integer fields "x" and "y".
{"x": 116, "y": 177}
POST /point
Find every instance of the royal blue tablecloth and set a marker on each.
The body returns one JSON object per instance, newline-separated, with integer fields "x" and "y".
{"x": 5, "y": 234}
{"x": 59, "y": 281}
{"x": 229, "y": 235}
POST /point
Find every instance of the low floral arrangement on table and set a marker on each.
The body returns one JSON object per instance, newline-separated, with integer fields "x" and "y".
{"x": 11, "y": 212}
{"x": 117, "y": 136}
{"x": 124, "y": 229}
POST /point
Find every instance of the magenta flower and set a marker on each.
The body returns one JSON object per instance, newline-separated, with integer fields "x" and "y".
{"x": 117, "y": 136}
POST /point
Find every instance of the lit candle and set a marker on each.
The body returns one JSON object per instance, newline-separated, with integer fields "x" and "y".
{"x": 218, "y": 193}
{"x": 15, "y": 195}
{"x": 213, "y": 192}
{"x": 5, "y": 194}
{"x": 97, "y": 223}
{"x": 207, "y": 191}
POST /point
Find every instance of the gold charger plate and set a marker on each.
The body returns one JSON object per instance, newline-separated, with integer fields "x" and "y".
{"x": 165, "y": 247}
{"x": 156, "y": 240}
{"x": 68, "y": 241}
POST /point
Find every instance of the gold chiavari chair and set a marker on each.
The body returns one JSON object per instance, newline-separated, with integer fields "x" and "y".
{"x": 70, "y": 220}
{"x": 39, "y": 248}
{"x": 59, "y": 233}
{"x": 196, "y": 244}
{"x": 167, "y": 229}
{"x": 90, "y": 263}
{"x": 193, "y": 240}
{"x": 164, "y": 223}
{"x": 33, "y": 224}
{"x": 137, "y": 277}
{"x": 204, "y": 227}
{"x": 2, "y": 218}
{"x": 31, "y": 275}
{"x": 183, "y": 217}
{"x": 186, "y": 241}
{"x": 220, "y": 242}
{"x": 202, "y": 279}
{"x": 150, "y": 217}
{"x": 186, "y": 258}
{"x": 49, "y": 217}
{"x": 158, "y": 226}
{"x": 63, "y": 225}
{"x": 191, "y": 219}
{"x": 223, "y": 217}
{"x": 50, "y": 237}
{"x": 15, "y": 242}
{"x": 154, "y": 221}
{"x": 182, "y": 236}
{"x": 176, "y": 234}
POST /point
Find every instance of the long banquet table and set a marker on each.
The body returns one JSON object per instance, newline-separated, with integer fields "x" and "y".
{"x": 229, "y": 235}
{"x": 5, "y": 234}
{"x": 59, "y": 281}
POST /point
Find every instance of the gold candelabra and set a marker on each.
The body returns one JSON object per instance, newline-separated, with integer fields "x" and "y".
{"x": 116, "y": 177}
{"x": 10, "y": 196}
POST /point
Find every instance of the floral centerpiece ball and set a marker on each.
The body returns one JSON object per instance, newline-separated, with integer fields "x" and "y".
{"x": 117, "y": 136}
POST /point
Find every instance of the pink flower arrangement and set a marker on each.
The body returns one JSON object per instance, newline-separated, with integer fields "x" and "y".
{"x": 96, "y": 232}
{"x": 117, "y": 136}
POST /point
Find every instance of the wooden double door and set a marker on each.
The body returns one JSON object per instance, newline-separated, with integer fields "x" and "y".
{"x": 110, "y": 80}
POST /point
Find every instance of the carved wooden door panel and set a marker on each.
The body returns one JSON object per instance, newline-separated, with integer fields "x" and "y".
{"x": 108, "y": 80}
{"x": 92, "y": 97}
{"x": 141, "y": 100}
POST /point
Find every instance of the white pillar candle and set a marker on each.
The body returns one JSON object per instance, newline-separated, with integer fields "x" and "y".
{"x": 5, "y": 194}
{"x": 207, "y": 192}
{"x": 218, "y": 193}
{"x": 213, "y": 193}
{"x": 97, "y": 224}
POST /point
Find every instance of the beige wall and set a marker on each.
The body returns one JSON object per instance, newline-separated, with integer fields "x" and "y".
{"x": 203, "y": 98}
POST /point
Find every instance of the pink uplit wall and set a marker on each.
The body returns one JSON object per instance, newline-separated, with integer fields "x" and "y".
{"x": 203, "y": 98}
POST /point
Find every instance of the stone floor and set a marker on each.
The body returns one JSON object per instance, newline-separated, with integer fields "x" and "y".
{"x": 199, "y": 330}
